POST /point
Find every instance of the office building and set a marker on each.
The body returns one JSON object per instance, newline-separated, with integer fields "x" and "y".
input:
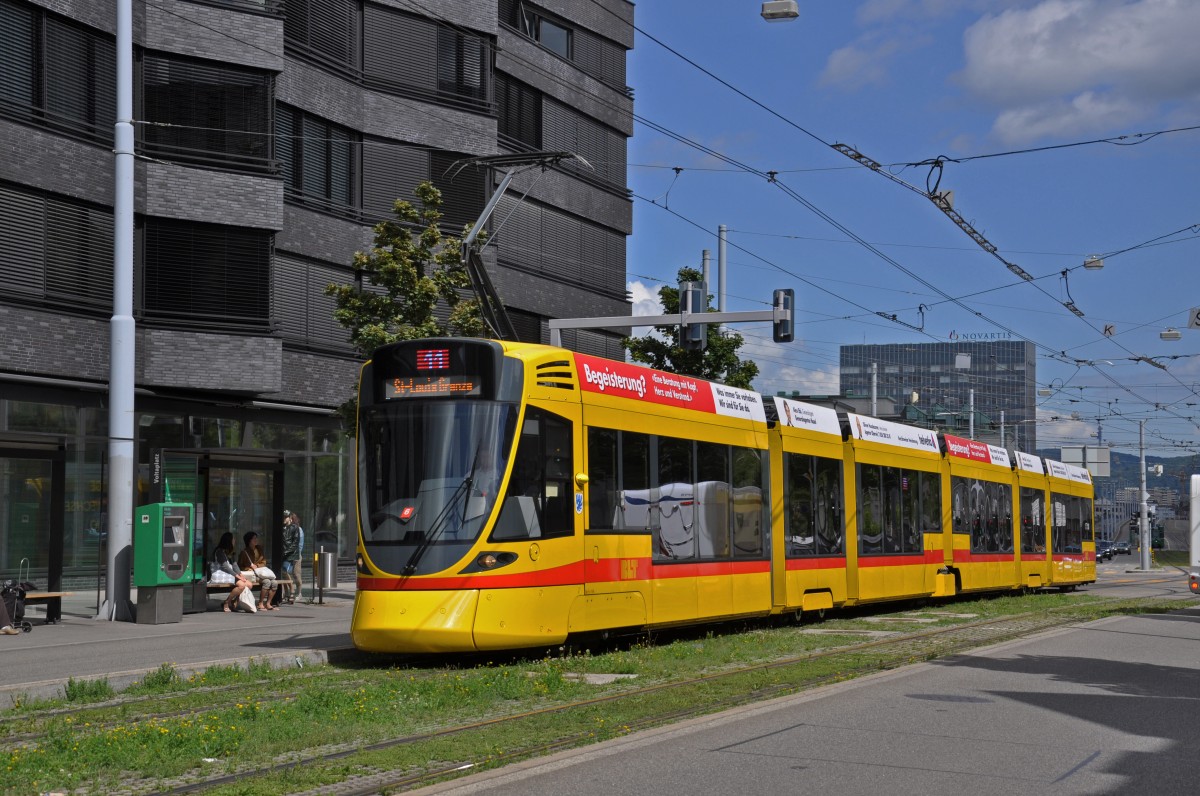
{"x": 271, "y": 135}
{"x": 989, "y": 384}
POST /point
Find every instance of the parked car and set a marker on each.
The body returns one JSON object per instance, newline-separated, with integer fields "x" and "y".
{"x": 1104, "y": 550}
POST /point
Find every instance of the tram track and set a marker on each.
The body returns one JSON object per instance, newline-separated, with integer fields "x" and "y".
{"x": 855, "y": 660}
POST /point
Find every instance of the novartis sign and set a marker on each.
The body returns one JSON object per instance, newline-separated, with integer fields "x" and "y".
{"x": 980, "y": 335}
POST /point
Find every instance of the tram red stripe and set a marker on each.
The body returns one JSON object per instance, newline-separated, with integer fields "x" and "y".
{"x": 608, "y": 570}
{"x": 984, "y": 558}
{"x": 930, "y": 556}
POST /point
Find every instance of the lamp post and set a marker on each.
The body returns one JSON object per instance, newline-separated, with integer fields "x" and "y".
{"x": 1144, "y": 519}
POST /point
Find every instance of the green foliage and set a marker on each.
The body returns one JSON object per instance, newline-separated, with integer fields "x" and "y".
{"x": 87, "y": 690}
{"x": 161, "y": 679}
{"x": 416, "y": 267}
{"x": 719, "y": 361}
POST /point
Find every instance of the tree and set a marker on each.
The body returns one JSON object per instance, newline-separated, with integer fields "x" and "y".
{"x": 719, "y": 361}
{"x": 416, "y": 267}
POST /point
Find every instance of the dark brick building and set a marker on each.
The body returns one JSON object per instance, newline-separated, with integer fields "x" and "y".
{"x": 271, "y": 136}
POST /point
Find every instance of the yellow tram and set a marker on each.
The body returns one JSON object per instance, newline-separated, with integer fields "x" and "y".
{"x": 512, "y": 495}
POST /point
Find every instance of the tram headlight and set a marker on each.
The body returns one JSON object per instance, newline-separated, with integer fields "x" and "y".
{"x": 489, "y": 560}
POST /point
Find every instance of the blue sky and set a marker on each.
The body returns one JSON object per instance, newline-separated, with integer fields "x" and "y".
{"x": 904, "y": 82}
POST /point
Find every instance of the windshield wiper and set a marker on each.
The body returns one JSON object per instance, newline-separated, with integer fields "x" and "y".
{"x": 443, "y": 517}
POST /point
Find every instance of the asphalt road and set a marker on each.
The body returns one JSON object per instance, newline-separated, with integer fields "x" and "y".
{"x": 1106, "y": 707}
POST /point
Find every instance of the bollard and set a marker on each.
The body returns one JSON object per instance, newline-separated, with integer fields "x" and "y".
{"x": 326, "y": 573}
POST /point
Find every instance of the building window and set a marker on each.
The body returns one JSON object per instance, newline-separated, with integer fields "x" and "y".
{"x": 519, "y": 108}
{"x": 267, "y": 8}
{"x": 194, "y": 273}
{"x": 566, "y": 130}
{"x": 391, "y": 170}
{"x": 299, "y": 303}
{"x": 414, "y": 56}
{"x": 318, "y": 160}
{"x": 324, "y": 30}
{"x": 558, "y": 246}
{"x": 56, "y": 74}
{"x": 72, "y": 269}
{"x": 533, "y": 23}
{"x": 208, "y": 114}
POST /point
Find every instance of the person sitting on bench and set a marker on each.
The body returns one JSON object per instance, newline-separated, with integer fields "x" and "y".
{"x": 223, "y": 562}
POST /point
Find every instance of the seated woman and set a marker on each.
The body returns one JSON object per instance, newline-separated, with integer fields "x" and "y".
{"x": 253, "y": 558}
{"x": 223, "y": 562}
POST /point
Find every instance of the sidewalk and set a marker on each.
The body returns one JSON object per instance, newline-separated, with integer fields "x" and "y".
{"x": 38, "y": 664}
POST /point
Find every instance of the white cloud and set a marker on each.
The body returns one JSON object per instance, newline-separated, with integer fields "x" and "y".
{"x": 1057, "y": 428}
{"x": 1065, "y": 67}
{"x": 645, "y": 298}
{"x": 864, "y": 63}
{"x": 1064, "y": 118}
{"x": 645, "y": 302}
{"x": 775, "y": 375}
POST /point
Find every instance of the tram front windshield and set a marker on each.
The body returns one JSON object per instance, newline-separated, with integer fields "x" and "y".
{"x": 431, "y": 470}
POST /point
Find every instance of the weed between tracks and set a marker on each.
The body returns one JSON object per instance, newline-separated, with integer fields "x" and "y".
{"x": 230, "y": 720}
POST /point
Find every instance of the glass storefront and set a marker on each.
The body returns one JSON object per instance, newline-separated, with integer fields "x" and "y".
{"x": 220, "y": 447}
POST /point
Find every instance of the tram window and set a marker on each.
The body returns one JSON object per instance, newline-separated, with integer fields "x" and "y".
{"x": 931, "y": 501}
{"x": 799, "y": 509}
{"x": 633, "y": 511}
{"x": 1004, "y": 530}
{"x": 748, "y": 502}
{"x": 831, "y": 533}
{"x": 911, "y": 540}
{"x": 892, "y": 532}
{"x": 540, "y": 494}
{"x": 675, "y": 501}
{"x": 870, "y": 509}
{"x": 1073, "y": 542}
{"x": 1058, "y": 523}
{"x": 1033, "y": 529}
{"x": 1089, "y": 530}
{"x": 603, "y": 490}
{"x": 813, "y": 506}
{"x": 712, "y": 500}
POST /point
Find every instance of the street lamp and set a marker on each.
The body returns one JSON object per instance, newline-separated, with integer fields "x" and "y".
{"x": 1050, "y": 389}
{"x": 780, "y": 10}
{"x": 1093, "y": 263}
{"x": 1170, "y": 333}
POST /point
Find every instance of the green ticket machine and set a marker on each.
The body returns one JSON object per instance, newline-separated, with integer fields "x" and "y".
{"x": 162, "y": 560}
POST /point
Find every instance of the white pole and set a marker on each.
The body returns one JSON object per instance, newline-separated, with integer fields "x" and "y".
{"x": 121, "y": 340}
{"x": 706, "y": 259}
{"x": 722, "y": 267}
{"x": 874, "y": 389}
{"x": 971, "y": 416}
{"x": 1144, "y": 524}
{"x": 1001, "y": 428}
{"x": 1194, "y": 524}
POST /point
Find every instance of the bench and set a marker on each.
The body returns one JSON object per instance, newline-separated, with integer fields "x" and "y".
{"x": 221, "y": 588}
{"x": 51, "y": 599}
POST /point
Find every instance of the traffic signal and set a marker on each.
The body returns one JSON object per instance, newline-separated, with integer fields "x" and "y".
{"x": 784, "y": 330}
{"x": 693, "y": 298}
